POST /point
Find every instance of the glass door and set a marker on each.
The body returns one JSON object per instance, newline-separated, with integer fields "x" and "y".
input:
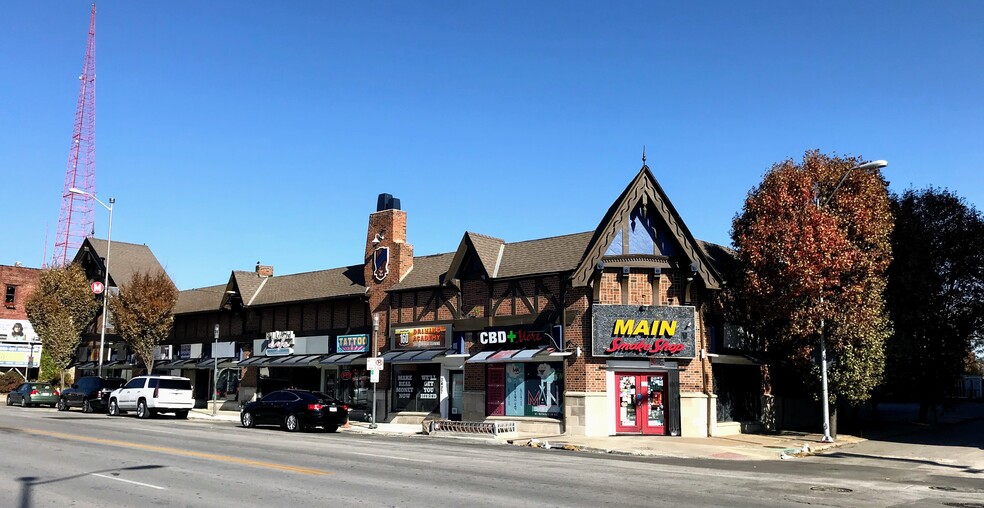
{"x": 457, "y": 395}
{"x": 640, "y": 403}
{"x": 627, "y": 404}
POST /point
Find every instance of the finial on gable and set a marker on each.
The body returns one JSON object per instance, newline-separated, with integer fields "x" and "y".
{"x": 643, "y": 155}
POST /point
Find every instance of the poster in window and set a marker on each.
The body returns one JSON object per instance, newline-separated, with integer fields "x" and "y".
{"x": 495, "y": 391}
{"x": 405, "y": 390}
{"x": 515, "y": 381}
{"x": 544, "y": 388}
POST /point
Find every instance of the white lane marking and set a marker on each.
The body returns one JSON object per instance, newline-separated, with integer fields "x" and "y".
{"x": 390, "y": 457}
{"x": 128, "y": 481}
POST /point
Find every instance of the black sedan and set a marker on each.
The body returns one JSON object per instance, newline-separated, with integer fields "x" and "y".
{"x": 294, "y": 410}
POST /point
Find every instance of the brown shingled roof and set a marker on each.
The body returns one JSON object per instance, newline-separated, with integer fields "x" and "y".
{"x": 428, "y": 271}
{"x": 126, "y": 260}
{"x": 487, "y": 249}
{"x": 546, "y": 255}
{"x": 199, "y": 299}
{"x": 334, "y": 283}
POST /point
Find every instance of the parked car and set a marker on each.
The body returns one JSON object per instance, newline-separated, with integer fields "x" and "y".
{"x": 294, "y": 410}
{"x": 149, "y": 395}
{"x": 91, "y": 393}
{"x": 33, "y": 394}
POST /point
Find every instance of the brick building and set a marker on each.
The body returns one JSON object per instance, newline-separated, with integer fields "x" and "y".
{"x": 17, "y": 337}
{"x": 609, "y": 331}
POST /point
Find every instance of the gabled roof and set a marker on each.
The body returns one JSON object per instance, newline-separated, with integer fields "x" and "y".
{"x": 246, "y": 284}
{"x": 644, "y": 187}
{"x": 487, "y": 249}
{"x": 428, "y": 271}
{"x": 125, "y": 259}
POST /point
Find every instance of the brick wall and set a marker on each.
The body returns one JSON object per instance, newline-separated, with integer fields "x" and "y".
{"x": 25, "y": 281}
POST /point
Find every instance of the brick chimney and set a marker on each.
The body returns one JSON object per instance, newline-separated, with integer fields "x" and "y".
{"x": 386, "y": 240}
{"x": 263, "y": 270}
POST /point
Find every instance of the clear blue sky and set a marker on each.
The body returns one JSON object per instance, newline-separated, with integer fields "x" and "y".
{"x": 236, "y": 132}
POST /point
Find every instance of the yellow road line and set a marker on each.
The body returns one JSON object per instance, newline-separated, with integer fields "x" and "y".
{"x": 178, "y": 451}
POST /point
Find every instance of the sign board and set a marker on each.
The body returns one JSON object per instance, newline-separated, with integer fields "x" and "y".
{"x": 373, "y": 376}
{"x": 358, "y": 343}
{"x": 630, "y": 331}
{"x": 280, "y": 343}
{"x": 97, "y": 287}
{"x": 17, "y": 330}
{"x": 224, "y": 350}
{"x": 512, "y": 338}
{"x": 20, "y": 354}
{"x": 424, "y": 337}
{"x": 375, "y": 363}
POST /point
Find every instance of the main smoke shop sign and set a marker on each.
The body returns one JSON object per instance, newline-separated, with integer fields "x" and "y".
{"x": 631, "y": 331}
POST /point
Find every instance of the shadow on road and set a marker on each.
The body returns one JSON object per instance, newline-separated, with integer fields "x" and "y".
{"x": 29, "y": 482}
{"x": 843, "y": 455}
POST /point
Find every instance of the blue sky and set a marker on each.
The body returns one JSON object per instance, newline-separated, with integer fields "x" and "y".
{"x": 237, "y": 132}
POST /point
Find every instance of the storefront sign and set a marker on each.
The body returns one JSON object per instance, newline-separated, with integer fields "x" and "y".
{"x": 512, "y": 338}
{"x": 279, "y": 343}
{"x": 352, "y": 343}
{"x": 17, "y": 330}
{"x": 380, "y": 263}
{"x": 426, "y": 337}
{"x": 644, "y": 332}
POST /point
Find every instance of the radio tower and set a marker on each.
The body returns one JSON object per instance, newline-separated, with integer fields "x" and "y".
{"x": 76, "y": 219}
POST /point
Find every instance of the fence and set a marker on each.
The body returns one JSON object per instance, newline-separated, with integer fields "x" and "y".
{"x": 493, "y": 429}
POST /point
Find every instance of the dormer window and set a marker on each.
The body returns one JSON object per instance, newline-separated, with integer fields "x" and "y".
{"x": 8, "y": 299}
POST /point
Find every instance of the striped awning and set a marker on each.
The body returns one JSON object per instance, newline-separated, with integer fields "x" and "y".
{"x": 514, "y": 355}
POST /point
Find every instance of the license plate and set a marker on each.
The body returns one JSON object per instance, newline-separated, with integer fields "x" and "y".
{"x": 333, "y": 409}
{"x": 45, "y": 394}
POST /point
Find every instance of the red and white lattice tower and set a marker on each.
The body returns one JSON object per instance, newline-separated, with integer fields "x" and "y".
{"x": 76, "y": 219}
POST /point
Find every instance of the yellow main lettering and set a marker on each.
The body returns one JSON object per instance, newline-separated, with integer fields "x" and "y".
{"x": 667, "y": 328}
{"x": 642, "y": 329}
{"x": 623, "y": 328}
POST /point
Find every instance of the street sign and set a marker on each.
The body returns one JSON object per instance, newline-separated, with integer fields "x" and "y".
{"x": 373, "y": 376}
{"x": 97, "y": 287}
{"x": 374, "y": 363}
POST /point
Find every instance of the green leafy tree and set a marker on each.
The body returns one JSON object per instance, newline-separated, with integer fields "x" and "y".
{"x": 60, "y": 309}
{"x": 143, "y": 313}
{"x": 935, "y": 294}
{"x": 811, "y": 259}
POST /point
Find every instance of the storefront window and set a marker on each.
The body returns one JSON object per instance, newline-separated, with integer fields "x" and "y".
{"x": 416, "y": 387}
{"x": 228, "y": 386}
{"x": 525, "y": 389}
{"x": 350, "y": 385}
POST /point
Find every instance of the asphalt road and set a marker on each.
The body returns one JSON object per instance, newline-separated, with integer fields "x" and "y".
{"x": 50, "y": 458}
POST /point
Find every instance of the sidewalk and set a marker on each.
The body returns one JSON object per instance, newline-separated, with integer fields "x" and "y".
{"x": 780, "y": 446}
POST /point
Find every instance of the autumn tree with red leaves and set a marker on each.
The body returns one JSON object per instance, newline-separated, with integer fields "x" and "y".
{"x": 143, "y": 313}
{"x": 810, "y": 252}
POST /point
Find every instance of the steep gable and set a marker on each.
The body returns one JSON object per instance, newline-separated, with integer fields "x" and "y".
{"x": 645, "y": 194}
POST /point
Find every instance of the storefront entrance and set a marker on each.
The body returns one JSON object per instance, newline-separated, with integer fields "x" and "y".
{"x": 641, "y": 403}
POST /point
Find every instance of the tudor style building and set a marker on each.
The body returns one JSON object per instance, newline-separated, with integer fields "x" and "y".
{"x": 610, "y": 331}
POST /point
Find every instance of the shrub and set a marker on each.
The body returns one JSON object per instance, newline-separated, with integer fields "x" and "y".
{"x": 9, "y": 381}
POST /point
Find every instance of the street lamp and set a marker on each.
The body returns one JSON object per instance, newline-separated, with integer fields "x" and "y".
{"x": 109, "y": 244}
{"x": 825, "y": 401}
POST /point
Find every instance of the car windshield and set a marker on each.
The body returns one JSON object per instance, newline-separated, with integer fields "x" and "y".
{"x": 41, "y": 386}
{"x": 113, "y": 383}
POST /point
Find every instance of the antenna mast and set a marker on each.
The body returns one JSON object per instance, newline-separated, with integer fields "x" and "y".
{"x": 76, "y": 219}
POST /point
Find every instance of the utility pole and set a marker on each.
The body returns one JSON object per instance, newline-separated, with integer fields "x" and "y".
{"x": 375, "y": 373}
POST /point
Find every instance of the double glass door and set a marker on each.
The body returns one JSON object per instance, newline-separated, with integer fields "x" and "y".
{"x": 640, "y": 404}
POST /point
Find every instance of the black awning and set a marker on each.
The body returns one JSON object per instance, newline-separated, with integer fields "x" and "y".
{"x": 209, "y": 363}
{"x": 342, "y": 358}
{"x": 417, "y": 356}
{"x": 255, "y": 361}
{"x": 186, "y": 363}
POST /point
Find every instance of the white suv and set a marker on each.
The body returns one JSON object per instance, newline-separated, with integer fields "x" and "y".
{"x": 149, "y": 395}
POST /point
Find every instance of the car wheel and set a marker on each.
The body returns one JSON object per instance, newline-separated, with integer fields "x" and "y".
{"x": 247, "y": 419}
{"x": 9, "y": 402}
{"x": 23, "y": 402}
{"x": 86, "y": 406}
{"x": 292, "y": 424}
{"x": 142, "y": 411}
{"x": 182, "y": 415}
{"x": 114, "y": 408}
{"x": 331, "y": 428}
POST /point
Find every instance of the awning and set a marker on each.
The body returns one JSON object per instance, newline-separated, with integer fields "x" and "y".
{"x": 255, "y": 361}
{"x": 416, "y": 356}
{"x": 294, "y": 360}
{"x": 342, "y": 358}
{"x": 87, "y": 366}
{"x": 515, "y": 355}
{"x": 186, "y": 363}
{"x": 209, "y": 363}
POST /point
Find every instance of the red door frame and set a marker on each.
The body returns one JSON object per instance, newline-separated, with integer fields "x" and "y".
{"x": 636, "y": 397}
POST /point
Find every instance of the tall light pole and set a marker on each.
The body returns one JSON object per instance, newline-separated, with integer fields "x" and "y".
{"x": 825, "y": 401}
{"x": 109, "y": 245}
